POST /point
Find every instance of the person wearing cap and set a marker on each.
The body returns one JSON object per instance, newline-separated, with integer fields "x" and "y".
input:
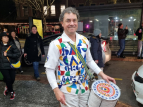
{"x": 96, "y": 50}
{"x": 139, "y": 33}
{"x": 8, "y": 49}
{"x": 121, "y": 37}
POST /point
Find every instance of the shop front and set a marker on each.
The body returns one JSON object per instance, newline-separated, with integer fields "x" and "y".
{"x": 107, "y": 17}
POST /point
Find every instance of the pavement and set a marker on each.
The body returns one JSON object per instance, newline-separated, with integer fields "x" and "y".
{"x": 30, "y": 93}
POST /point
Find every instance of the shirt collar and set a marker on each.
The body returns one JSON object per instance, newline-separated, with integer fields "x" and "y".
{"x": 65, "y": 38}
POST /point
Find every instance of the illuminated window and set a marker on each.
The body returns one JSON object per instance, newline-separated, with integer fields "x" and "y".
{"x": 45, "y": 10}
{"x": 62, "y": 7}
{"x": 25, "y": 10}
{"x": 53, "y": 10}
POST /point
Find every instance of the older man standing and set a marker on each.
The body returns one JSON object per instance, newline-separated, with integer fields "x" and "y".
{"x": 64, "y": 56}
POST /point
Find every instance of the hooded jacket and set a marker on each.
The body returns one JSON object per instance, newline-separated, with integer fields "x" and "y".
{"x": 13, "y": 54}
{"x": 96, "y": 50}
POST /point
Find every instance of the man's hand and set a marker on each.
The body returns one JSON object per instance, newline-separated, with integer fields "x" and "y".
{"x": 107, "y": 78}
{"x": 25, "y": 54}
{"x": 5, "y": 53}
{"x": 96, "y": 61}
{"x": 60, "y": 96}
{"x": 43, "y": 55}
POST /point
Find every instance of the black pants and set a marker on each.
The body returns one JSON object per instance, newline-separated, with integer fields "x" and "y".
{"x": 20, "y": 69}
{"x": 9, "y": 78}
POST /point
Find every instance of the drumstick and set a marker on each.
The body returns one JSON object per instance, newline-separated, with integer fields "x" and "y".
{"x": 66, "y": 104}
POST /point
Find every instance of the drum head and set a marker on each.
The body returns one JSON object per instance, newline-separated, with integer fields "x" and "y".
{"x": 106, "y": 91}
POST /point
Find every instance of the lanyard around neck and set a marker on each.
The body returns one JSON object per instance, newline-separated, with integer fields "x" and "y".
{"x": 76, "y": 51}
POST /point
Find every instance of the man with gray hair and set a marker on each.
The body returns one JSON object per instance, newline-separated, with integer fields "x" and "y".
{"x": 68, "y": 55}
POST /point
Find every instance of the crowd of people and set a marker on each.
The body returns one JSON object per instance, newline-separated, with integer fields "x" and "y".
{"x": 11, "y": 52}
{"x": 67, "y": 56}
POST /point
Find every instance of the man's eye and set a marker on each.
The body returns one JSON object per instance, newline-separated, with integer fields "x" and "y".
{"x": 74, "y": 21}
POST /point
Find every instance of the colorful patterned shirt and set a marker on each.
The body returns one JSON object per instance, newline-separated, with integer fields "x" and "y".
{"x": 71, "y": 74}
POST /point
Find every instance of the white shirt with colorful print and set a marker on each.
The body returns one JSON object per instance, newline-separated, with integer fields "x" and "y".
{"x": 70, "y": 72}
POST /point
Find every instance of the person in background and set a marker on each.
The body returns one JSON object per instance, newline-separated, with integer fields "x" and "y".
{"x": 96, "y": 50}
{"x": 139, "y": 33}
{"x": 8, "y": 73}
{"x": 15, "y": 40}
{"x": 121, "y": 37}
{"x": 6, "y": 31}
{"x": 33, "y": 49}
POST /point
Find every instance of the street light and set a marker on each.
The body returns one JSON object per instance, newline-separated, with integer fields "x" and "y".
{"x": 116, "y": 18}
{"x": 97, "y": 20}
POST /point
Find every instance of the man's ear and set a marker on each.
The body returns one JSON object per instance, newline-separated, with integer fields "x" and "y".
{"x": 61, "y": 23}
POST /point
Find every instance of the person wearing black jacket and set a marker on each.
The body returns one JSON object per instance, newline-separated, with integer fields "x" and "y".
{"x": 96, "y": 50}
{"x": 33, "y": 49}
{"x": 121, "y": 37}
{"x": 8, "y": 73}
{"x": 139, "y": 33}
{"x": 15, "y": 40}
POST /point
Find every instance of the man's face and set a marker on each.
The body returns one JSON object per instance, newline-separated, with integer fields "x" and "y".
{"x": 70, "y": 23}
{"x": 34, "y": 30}
{"x": 121, "y": 27}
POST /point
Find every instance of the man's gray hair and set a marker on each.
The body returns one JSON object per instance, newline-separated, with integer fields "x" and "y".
{"x": 68, "y": 10}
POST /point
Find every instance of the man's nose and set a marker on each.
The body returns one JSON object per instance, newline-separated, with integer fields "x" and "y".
{"x": 71, "y": 23}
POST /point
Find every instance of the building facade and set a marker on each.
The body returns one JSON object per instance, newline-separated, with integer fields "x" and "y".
{"x": 24, "y": 11}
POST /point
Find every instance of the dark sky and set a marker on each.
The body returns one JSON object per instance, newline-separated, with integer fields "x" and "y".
{"x": 7, "y": 10}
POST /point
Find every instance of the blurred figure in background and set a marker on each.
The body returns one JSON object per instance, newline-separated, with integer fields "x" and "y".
{"x": 139, "y": 33}
{"x": 8, "y": 54}
{"x": 96, "y": 50}
{"x": 121, "y": 37}
{"x": 15, "y": 40}
{"x": 33, "y": 49}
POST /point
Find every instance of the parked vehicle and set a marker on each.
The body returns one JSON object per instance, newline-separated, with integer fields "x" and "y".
{"x": 106, "y": 52}
{"x": 137, "y": 84}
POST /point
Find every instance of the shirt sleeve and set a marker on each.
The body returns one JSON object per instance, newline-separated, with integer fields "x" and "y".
{"x": 51, "y": 78}
{"x": 90, "y": 62}
{"x": 52, "y": 56}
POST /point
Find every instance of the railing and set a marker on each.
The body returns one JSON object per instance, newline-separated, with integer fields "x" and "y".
{"x": 131, "y": 47}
